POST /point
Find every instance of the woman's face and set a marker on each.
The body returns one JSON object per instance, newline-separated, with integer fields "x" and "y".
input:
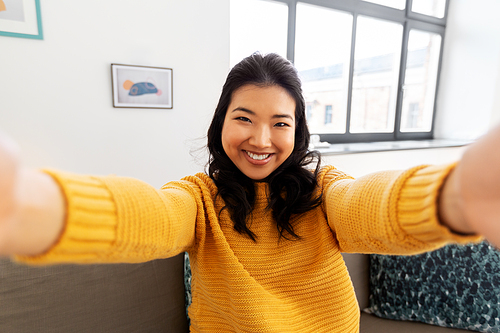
{"x": 258, "y": 133}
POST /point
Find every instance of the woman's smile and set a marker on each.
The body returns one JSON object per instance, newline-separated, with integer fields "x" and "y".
{"x": 259, "y": 159}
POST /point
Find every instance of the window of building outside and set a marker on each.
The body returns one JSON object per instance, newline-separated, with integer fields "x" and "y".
{"x": 328, "y": 114}
{"x": 369, "y": 69}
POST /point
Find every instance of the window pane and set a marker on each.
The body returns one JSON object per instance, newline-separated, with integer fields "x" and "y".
{"x": 322, "y": 55}
{"x": 398, "y": 4}
{"x": 377, "y": 59}
{"x": 434, "y": 8}
{"x": 257, "y": 25}
{"x": 420, "y": 81}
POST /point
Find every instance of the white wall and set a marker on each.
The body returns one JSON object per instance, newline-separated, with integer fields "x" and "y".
{"x": 470, "y": 78}
{"x": 361, "y": 164}
{"x": 495, "y": 114}
{"x": 55, "y": 94}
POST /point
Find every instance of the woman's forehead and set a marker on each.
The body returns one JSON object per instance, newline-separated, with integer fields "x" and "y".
{"x": 272, "y": 99}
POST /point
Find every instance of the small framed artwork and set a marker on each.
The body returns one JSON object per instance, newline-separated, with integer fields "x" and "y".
{"x": 21, "y": 18}
{"x": 142, "y": 87}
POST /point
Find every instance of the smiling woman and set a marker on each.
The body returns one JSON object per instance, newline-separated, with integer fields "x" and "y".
{"x": 259, "y": 129}
{"x": 259, "y": 132}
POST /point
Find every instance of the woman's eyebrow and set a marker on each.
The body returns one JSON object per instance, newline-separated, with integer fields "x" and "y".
{"x": 278, "y": 115}
{"x": 244, "y": 110}
{"x": 283, "y": 115}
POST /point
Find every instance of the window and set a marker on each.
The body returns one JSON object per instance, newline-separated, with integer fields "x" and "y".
{"x": 419, "y": 88}
{"x": 436, "y": 8}
{"x": 309, "y": 107}
{"x": 323, "y": 63}
{"x": 328, "y": 114}
{"x": 377, "y": 56}
{"x": 369, "y": 68}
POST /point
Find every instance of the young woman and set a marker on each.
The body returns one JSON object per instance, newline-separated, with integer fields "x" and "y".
{"x": 265, "y": 226}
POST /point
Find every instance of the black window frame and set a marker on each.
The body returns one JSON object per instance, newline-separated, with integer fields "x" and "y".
{"x": 409, "y": 20}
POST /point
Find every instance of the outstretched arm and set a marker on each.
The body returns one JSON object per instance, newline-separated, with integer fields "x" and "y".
{"x": 55, "y": 217}
{"x": 470, "y": 199}
{"x": 32, "y": 207}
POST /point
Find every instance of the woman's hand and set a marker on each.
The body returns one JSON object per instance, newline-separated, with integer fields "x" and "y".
{"x": 470, "y": 200}
{"x": 9, "y": 172}
{"x": 31, "y": 206}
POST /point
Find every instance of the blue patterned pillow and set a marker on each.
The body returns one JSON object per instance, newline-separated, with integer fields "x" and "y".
{"x": 456, "y": 286}
{"x": 187, "y": 283}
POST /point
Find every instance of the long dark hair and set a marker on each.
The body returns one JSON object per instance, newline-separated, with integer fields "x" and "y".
{"x": 292, "y": 187}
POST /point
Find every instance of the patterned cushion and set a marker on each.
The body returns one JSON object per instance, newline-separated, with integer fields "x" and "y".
{"x": 456, "y": 286}
{"x": 187, "y": 283}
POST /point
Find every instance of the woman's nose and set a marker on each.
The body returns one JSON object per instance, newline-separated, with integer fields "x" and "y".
{"x": 261, "y": 138}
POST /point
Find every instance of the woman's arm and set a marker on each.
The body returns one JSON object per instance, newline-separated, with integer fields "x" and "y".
{"x": 470, "y": 199}
{"x": 54, "y": 217}
{"x": 32, "y": 207}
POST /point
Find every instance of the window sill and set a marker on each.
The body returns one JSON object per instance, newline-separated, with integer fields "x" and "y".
{"x": 370, "y": 147}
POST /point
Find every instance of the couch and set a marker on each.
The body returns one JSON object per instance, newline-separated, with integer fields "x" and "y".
{"x": 146, "y": 297}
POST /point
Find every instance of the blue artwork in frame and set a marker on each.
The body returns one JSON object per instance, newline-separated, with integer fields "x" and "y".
{"x": 142, "y": 86}
{"x": 21, "y": 18}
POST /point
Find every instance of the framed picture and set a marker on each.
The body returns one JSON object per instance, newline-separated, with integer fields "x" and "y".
{"x": 141, "y": 87}
{"x": 21, "y": 18}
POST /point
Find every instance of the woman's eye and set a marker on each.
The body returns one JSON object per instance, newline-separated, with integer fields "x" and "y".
{"x": 282, "y": 125}
{"x": 245, "y": 119}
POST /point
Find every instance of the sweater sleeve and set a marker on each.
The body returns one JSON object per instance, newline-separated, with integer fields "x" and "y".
{"x": 116, "y": 219}
{"x": 392, "y": 212}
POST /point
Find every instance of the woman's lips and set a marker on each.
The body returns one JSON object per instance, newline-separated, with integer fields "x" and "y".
{"x": 258, "y": 159}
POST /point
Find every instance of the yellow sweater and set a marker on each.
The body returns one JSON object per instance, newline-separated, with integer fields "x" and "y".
{"x": 239, "y": 285}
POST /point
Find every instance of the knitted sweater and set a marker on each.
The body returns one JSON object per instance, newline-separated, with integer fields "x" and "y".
{"x": 239, "y": 285}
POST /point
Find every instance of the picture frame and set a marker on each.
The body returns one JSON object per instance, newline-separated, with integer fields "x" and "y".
{"x": 142, "y": 86}
{"x": 21, "y": 18}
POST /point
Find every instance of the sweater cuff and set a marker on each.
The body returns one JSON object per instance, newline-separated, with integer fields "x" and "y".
{"x": 418, "y": 208}
{"x": 90, "y": 226}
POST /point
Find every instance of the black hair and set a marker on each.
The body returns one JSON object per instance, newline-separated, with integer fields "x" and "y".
{"x": 292, "y": 187}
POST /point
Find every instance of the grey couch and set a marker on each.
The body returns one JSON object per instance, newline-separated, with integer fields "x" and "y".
{"x": 145, "y": 297}
{"x": 127, "y": 298}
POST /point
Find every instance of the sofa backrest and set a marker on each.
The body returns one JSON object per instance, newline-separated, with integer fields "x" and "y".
{"x": 147, "y": 297}
{"x": 358, "y": 267}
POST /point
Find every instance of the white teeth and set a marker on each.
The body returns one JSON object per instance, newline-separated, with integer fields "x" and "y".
{"x": 258, "y": 157}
